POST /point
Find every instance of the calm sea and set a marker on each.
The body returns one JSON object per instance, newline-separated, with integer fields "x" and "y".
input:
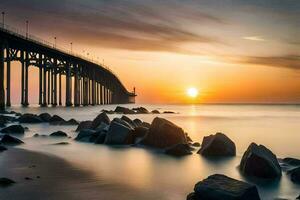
{"x": 135, "y": 173}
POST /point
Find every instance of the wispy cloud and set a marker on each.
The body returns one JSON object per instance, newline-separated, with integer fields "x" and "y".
{"x": 254, "y": 38}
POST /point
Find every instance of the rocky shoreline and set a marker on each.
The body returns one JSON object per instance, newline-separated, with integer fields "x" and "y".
{"x": 165, "y": 137}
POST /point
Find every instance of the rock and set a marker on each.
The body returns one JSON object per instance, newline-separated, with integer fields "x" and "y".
{"x": 102, "y": 127}
{"x": 101, "y": 138}
{"x": 84, "y": 125}
{"x": 291, "y": 161}
{"x": 45, "y": 117}
{"x": 2, "y": 148}
{"x": 137, "y": 122}
{"x": 70, "y": 122}
{"x": 85, "y": 135}
{"x": 13, "y": 129}
{"x": 10, "y": 140}
{"x": 36, "y": 135}
{"x": 118, "y": 134}
{"x": 120, "y": 121}
{"x": 179, "y": 150}
{"x": 28, "y": 179}
{"x": 221, "y": 187}
{"x": 140, "y": 132}
{"x": 217, "y": 145}
{"x": 5, "y": 119}
{"x": 141, "y": 110}
{"x": 298, "y": 197}
{"x": 56, "y": 120}
{"x": 129, "y": 121}
{"x": 196, "y": 144}
{"x": 155, "y": 112}
{"x": 124, "y": 110}
{"x": 258, "y": 161}
{"x": 146, "y": 124}
{"x": 61, "y": 143}
{"x": 29, "y": 118}
{"x": 164, "y": 134}
{"x": 59, "y": 134}
{"x": 295, "y": 175}
{"x": 5, "y": 182}
{"x": 169, "y": 112}
{"x": 101, "y": 118}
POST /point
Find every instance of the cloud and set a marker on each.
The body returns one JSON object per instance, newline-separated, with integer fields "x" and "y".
{"x": 286, "y": 61}
{"x": 254, "y": 38}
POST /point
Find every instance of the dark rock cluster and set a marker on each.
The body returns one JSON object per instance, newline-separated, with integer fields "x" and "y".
{"x": 138, "y": 110}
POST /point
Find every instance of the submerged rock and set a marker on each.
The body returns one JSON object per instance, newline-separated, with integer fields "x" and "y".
{"x": 155, "y": 112}
{"x": 61, "y": 143}
{"x": 196, "y": 144}
{"x": 2, "y": 148}
{"x": 101, "y": 118}
{"x": 5, "y": 182}
{"x": 30, "y": 118}
{"x": 56, "y": 120}
{"x": 118, "y": 134}
{"x": 13, "y": 129}
{"x": 291, "y": 161}
{"x": 217, "y": 145}
{"x": 45, "y": 117}
{"x": 295, "y": 175}
{"x": 141, "y": 110}
{"x": 258, "y": 161}
{"x": 84, "y": 125}
{"x": 59, "y": 134}
{"x": 10, "y": 140}
{"x": 179, "y": 150}
{"x": 164, "y": 134}
{"x": 221, "y": 187}
{"x": 124, "y": 110}
{"x": 70, "y": 122}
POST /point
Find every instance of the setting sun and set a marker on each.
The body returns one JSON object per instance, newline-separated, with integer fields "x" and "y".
{"x": 192, "y": 92}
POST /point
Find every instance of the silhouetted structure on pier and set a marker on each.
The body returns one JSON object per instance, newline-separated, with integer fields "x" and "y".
{"x": 93, "y": 83}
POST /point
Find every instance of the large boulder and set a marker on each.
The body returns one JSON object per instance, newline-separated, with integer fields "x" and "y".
{"x": 118, "y": 134}
{"x": 30, "y": 118}
{"x": 56, "y": 120}
{"x": 100, "y": 138}
{"x": 221, "y": 187}
{"x": 124, "y": 110}
{"x": 179, "y": 150}
{"x": 258, "y": 161}
{"x": 141, "y": 110}
{"x": 45, "y": 117}
{"x": 13, "y": 129}
{"x": 129, "y": 121}
{"x": 137, "y": 122}
{"x": 84, "y": 125}
{"x": 10, "y": 140}
{"x": 86, "y": 135}
{"x": 163, "y": 134}
{"x": 101, "y": 118}
{"x": 59, "y": 134}
{"x": 217, "y": 145}
{"x": 295, "y": 175}
{"x": 139, "y": 133}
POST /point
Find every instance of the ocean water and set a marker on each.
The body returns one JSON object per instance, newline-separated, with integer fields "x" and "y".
{"x": 136, "y": 173}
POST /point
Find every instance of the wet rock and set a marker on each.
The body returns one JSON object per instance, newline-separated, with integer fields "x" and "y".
{"x": 61, "y": 143}
{"x": 28, "y": 179}
{"x": 196, "y": 144}
{"x": 137, "y": 122}
{"x": 120, "y": 121}
{"x": 140, "y": 132}
{"x": 179, "y": 150}
{"x": 124, "y": 110}
{"x": 5, "y": 182}
{"x": 101, "y": 118}
{"x": 146, "y": 124}
{"x": 164, "y": 134}
{"x": 102, "y": 127}
{"x": 5, "y": 119}
{"x": 56, "y": 120}
{"x": 291, "y": 161}
{"x": 84, "y": 125}
{"x": 258, "y": 161}
{"x": 221, "y": 187}
{"x": 10, "y": 140}
{"x": 155, "y": 112}
{"x": 13, "y": 129}
{"x": 101, "y": 138}
{"x": 2, "y": 148}
{"x": 298, "y": 197}
{"x": 129, "y": 121}
{"x": 29, "y": 118}
{"x": 45, "y": 117}
{"x": 169, "y": 112}
{"x": 70, "y": 122}
{"x": 217, "y": 145}
{"x": 85, "y": 135}
{"x": 141, "y": 110}
{"x": 295, "y": 175}
{"x": 59, "y": 134}
{"x": 118, "y": 134}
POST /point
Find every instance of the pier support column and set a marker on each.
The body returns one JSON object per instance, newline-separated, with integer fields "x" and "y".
{"x": 76, "y": 92}
{"x": 8, "y": 103}
{"x": 48, "y": 84}
{"x": 93, "y": 91}
{"x": 59, "y": 92}
{"x": 55, "y": 86}
{"x": 40, "y": 80}
{"x": 26, "y": 103}
{"x": 44, "y": 86}
{"x": 101, "y": 94}
{"x": 68, "y": 86}
{"x": 22, "y": 77}
{"x": 2, "y": 92}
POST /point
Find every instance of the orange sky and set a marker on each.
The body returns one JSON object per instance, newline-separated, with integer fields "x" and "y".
{"x": 232, "y": 52}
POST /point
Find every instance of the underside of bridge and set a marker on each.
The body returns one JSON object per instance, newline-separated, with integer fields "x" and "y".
{"x": 93, "y": 84}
